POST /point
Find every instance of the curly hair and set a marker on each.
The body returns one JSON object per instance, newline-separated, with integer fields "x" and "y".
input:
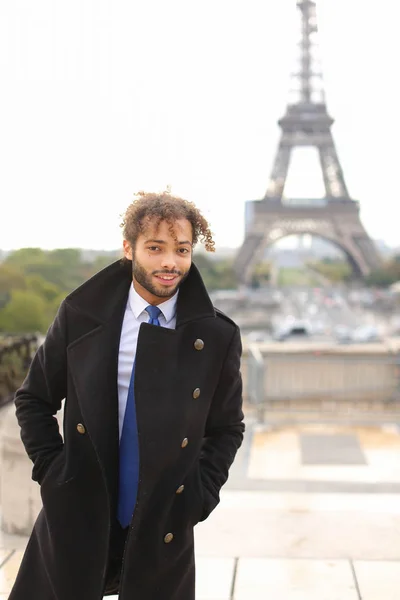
{"x": 156, "y": 207}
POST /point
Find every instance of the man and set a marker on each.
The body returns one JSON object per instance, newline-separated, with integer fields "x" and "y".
{"x": 152, "y": 419}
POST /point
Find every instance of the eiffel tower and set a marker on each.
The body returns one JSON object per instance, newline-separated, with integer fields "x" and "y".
{"x": 335, "y": 217}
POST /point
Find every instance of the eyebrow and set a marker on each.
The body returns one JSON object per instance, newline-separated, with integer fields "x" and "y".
{"x": 164, "y": 242}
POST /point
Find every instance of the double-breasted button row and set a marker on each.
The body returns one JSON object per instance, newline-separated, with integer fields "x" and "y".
{"x": 199, "y": 345}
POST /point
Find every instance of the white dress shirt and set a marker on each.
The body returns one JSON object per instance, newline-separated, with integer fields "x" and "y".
{"x": 135, "y": 314}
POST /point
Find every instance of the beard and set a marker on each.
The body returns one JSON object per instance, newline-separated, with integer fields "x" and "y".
{"x": 144, "y": 278}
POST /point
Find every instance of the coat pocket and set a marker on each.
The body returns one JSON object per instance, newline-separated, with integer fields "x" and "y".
{"x": 53, "y": 468}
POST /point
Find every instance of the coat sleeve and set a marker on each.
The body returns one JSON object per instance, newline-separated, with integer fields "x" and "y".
{"x": 224, "y": 427}
{"x": 40, "y": 397}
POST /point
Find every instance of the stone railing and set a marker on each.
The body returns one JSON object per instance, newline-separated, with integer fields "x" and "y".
{"x": 16, "y": 353}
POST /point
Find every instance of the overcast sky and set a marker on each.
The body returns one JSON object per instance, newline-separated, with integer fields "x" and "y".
{"x": 101, "y": 98}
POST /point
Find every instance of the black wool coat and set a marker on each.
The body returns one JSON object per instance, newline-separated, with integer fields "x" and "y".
{"x": 186, "y": 437}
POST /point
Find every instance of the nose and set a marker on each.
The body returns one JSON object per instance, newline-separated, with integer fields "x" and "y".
{"x": 168, "y": 261}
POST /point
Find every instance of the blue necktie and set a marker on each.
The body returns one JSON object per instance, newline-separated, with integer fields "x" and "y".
{"x": 129, "y": 447}
{"x": 154, "y": 312}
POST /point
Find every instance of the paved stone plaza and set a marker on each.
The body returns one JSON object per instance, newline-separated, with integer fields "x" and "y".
{"x": 309, "y": 512}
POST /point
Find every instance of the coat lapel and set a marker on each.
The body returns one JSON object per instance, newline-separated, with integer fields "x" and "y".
{"x": 93, "y": 359}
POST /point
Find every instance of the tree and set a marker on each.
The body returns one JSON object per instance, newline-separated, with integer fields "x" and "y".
{"x": 334, "y": 270}
{"x": 261, "y": 274}
{"x": 46, "y": 290}
{"x": 217, "y": 275}
{"x": 65, "y": 256}
{"x": 389, "y": 273}
{"x": 26, "y": 256}
{"x": 24, "y": 313}
{"x": 11, "y": 278}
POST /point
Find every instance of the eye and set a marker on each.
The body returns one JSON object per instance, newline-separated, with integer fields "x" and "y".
{"x": 154, "y": 248}
{"x": 183, "y": 250}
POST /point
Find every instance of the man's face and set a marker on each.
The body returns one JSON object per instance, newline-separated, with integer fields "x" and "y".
{"x": 159, "y": 262}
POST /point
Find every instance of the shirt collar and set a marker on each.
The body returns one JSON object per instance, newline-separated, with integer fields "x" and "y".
{"x": 138, "y": 305}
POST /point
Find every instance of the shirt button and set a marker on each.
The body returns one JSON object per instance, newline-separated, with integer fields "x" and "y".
{"x": 180, "y": 489}
{"x": 81, "y": 428}
{"x": 185, "y": 442}
{"x": 168, "y": 538}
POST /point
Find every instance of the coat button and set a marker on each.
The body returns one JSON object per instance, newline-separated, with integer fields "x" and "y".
{"x": 184, "y": 443}
{"x": 81, "y": 428}
{"x": 199, "y": 344}
{"x": 180, "y": 489}
{"x": 168, "y": 538}
{"x": 196, "y": 393}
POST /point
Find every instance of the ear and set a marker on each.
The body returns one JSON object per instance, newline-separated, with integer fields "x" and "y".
{"x": 127, "y": 249}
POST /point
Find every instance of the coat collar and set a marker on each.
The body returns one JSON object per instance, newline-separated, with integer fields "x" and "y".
{"x": 105, "y": 294}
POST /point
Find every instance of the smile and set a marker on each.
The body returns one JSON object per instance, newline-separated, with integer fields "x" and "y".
{"x": 166, "y": 278}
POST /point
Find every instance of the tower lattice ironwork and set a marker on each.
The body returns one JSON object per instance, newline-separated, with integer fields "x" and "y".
{"x": 335, "y": 217}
